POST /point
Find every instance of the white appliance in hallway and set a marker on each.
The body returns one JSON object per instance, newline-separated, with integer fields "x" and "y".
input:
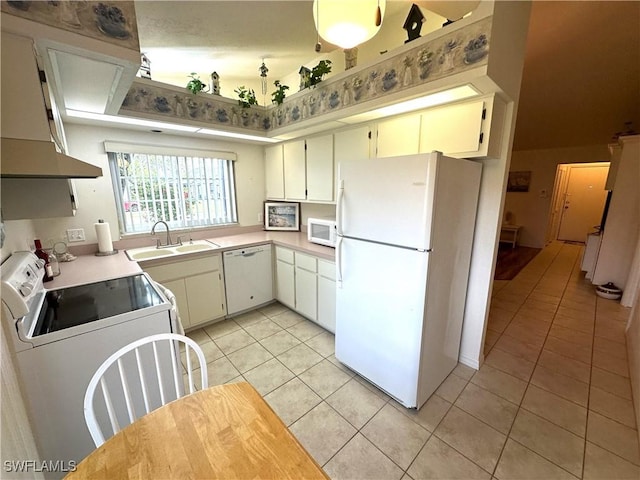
{"x": 248, "y": 278}
{"x": 405, "y": 233}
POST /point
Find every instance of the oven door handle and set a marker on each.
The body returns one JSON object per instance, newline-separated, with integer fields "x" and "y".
{"x": 175, "y": 315}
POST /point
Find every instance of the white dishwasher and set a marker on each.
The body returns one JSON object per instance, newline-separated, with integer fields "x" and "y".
{"x": 248, "y": 278}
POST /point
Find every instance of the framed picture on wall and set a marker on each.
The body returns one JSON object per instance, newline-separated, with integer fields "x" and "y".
{"x": 283, "y": 216}
{"x": 519, "y": 181}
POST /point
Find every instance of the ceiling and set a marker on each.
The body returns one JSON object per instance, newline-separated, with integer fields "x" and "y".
{"x": 581, "y": 79}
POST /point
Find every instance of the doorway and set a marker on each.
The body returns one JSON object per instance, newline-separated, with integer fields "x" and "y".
{"x": 578, "y": 201}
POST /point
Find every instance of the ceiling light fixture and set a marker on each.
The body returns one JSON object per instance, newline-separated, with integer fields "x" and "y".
{"x": 130, "y": 121}
{"x": 166, "y": 126}
{"x": 431, "y": 100}
{"x": 348, "y": 23}
{"x": 242, "y": 136}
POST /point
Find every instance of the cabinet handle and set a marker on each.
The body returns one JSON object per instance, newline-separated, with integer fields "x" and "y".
{"x": 339, "y": 207}
{"x": 339, "y": 261}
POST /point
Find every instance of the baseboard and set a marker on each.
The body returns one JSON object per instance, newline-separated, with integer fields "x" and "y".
{"x": 471, "y": 362}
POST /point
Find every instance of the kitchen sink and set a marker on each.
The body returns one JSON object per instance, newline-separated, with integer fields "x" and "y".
{"x": 194, "y": 247}
{"x": 149, "y": 253}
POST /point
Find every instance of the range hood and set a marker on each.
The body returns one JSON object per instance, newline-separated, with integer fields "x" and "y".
{"x": 23, "y": 158}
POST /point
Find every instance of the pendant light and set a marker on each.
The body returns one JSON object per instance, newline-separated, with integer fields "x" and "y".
{"x": 348, "y": 23}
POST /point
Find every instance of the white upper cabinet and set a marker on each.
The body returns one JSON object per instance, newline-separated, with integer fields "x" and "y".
{"x": 351, "y": 144}
{"x": 23, "y": 109}
{"x": 320, "y": 170}
{"x": 274, "y": 172}
{"x": 463, "y": 130}
{"x": 294, "y": 171}
{"x": 301, "y": 171}
{"x": 398, "y": 136}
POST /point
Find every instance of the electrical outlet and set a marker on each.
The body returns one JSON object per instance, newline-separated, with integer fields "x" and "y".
{"x": 75, "y": 235}
{"x": 260, "y": 217}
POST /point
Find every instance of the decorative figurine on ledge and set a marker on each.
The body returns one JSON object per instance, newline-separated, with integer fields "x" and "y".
{"x": 215, "y": 84}
{"x": 413, "y": 23}
{"x": 305, "y": 76}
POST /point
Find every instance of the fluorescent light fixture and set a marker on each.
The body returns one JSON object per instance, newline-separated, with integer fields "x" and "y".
{"x": 130, "y": 121}
{"x": 438, "y": 98}
{"x": 242, "y": 136}
{"x": 166, "y": 126}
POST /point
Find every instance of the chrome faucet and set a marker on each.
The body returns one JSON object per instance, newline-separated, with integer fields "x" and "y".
{"x": 169, "y": 242}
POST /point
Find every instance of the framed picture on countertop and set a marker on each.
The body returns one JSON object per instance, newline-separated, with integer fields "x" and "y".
{"x": 284, "y": 216}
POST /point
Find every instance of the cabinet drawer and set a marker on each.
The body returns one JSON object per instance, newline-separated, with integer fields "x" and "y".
{"x": 327, "y": 269}
{"x": 184, "y": 268}
{"x": 306, "y": 262}
{"x": 284, "y": 255}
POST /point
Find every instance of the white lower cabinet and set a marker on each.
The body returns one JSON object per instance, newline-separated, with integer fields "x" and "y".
{"x": 327, "y": 294}
{"x": 285, "y": 277}
{"x": 197, "y": 284}
{"x": 307, "y": 284}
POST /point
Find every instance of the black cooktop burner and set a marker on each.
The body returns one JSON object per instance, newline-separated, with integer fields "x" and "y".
{"x": 69, "y": 307}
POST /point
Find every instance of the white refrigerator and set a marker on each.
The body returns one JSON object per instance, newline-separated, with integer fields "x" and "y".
{"x": 405, "y": 233}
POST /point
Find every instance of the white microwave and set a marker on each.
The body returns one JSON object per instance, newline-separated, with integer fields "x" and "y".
{"x": 322, "y": 231}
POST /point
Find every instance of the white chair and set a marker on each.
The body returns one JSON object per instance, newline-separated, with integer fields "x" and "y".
{"x": 154, "y": 389}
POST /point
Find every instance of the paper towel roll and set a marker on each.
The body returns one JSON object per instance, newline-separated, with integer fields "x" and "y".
{"x": 105, "y": 245}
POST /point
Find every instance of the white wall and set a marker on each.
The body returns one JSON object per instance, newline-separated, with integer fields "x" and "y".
{"x": 96, "y": 198}
{"x": 19, "y": 236}
{"x": 622, "y": 228}
{"x": 531, "y": 209}
{"x": 508, "y": 39}
{"x": 633, "y": 351}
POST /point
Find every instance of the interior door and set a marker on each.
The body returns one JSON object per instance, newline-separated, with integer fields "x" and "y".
{"x": 557, "y": 202}
{"x": 584, "y": 202}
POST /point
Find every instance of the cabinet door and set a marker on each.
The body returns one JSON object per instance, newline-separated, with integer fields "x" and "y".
{"x": 352, "y": 144}
{"x": 320, "y": 177}
{"x": 274, "y": 172}
{"x": 205, "y": 294}
{"x": 452, "y": 129}
{"x": 327, "y": 294}
{"x": 285, "y": 284}
{"x": 294, "y": 171}
{"x": 306, "y": 294}
{"x": 177, "y": 287}
{"x": 398, "y": 136}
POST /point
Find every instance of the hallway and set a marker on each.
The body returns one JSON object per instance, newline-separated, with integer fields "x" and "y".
{"x": 558, "y": 351}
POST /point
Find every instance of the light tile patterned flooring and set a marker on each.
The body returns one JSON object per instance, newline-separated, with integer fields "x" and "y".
{"x": 553, "y": 399}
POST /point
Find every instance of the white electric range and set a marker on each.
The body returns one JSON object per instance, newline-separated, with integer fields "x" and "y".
{"x": 61, "y": 337}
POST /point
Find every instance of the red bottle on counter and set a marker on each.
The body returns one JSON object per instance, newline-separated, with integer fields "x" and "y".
{"x": 40, "y": 253}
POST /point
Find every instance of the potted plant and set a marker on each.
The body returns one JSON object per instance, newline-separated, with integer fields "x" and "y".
{"x": 195, "y": 85}
{"x": 277, "y": 97}
{"x": 319, "y": 71}
{"x": 247, "y": 96}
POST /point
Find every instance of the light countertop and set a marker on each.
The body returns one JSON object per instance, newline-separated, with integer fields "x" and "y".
{"x": 91, "y": 268}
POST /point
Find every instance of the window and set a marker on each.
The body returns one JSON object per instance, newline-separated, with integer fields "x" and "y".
{"x": 191, "y": 189}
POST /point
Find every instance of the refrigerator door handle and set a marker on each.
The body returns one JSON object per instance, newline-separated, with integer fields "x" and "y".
{"x": 339, "y": 262}
{"x": 339, "y": 207}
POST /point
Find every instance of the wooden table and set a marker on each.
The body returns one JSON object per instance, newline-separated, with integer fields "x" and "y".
{"x": 223, "y": 432}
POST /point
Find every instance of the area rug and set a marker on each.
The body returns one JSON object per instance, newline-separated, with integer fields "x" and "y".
{"x": 512, "y": 260}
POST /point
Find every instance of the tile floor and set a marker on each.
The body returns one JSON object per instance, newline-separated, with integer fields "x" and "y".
{"x": 552, "y": 400}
